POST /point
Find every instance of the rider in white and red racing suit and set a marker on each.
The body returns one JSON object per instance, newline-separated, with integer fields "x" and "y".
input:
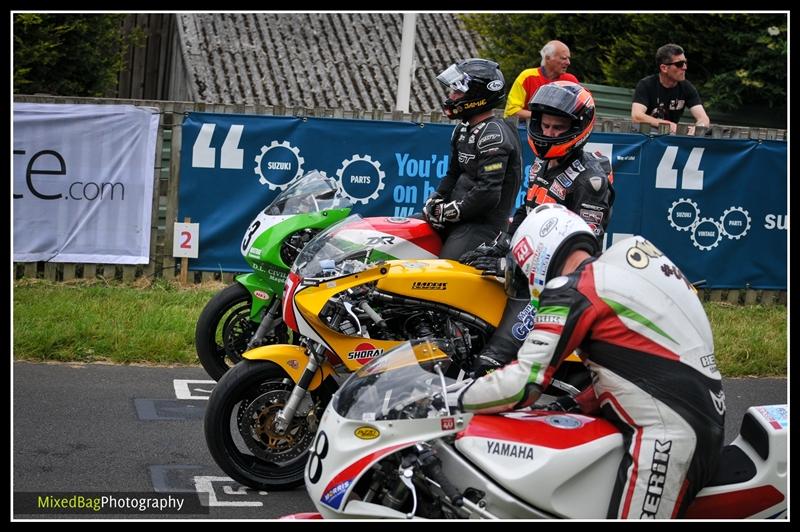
{"x": 642, "y": 331}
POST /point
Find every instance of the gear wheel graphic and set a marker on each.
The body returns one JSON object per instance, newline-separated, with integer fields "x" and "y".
{"x": 275, "y": 144}
{"x": 374, "y": 164}
{"x": 725, "y": 215}
{"x": 683, "y": 201}
{"x": 700, "y": 224}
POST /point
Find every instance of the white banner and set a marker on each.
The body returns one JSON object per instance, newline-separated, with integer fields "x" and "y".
{"x": 83, "y": 182}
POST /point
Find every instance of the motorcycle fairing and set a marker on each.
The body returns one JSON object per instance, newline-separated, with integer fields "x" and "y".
{"x": 291, "y": 285}
{"x": 251, "y": 246}
{"x": 739, "y": 504}
{"x": 552, "y": 430}
{"x": 308, "y": 301}
{"x": 423, "y": 241}
{"x": 441, "y": 281}
{"x": 547, "y": 459}
{"x": 334, "y": 492}
{"x": 265, "y": 243}
{"x": 449, "y": 283}
{"x": 762, "y": 439}
{"x": 261, "y": 290}
{"x": 342, "y": 469}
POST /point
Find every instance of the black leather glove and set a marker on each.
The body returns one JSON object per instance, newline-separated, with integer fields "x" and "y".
{"x": 565, "y": 403}
{"x": 434, "y": 200}
{"x": 490, "y": 265}
{"x": 442, "y": 213}
{"x": 484, "y": 364}
{"x": 498, "y": 248}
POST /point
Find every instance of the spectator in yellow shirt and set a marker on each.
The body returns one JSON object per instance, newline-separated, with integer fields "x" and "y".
{"x": 555, "y": 61}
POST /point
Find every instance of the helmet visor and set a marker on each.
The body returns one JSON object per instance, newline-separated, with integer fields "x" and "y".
{"x": 556, "y": 98}
{"x": 516, "y": 283}
{"x": 454, "y": 79}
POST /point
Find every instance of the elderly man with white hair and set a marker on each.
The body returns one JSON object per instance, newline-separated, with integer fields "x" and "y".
{"x": 555, "y": 61}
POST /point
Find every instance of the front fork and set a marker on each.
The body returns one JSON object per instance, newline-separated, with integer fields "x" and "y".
{"x": 285, "y": 416}
{"x": 316, "y": 357}
{"x": 272, "y": 317}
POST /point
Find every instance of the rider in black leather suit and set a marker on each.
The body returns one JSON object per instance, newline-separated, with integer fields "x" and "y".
{"x": 475, "y": 198}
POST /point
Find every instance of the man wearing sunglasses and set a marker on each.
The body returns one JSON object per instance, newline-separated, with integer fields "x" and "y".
{"x": 661, "y": 98}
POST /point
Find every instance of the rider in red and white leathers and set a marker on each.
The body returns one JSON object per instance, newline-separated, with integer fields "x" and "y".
{"x": 640, "y": 328}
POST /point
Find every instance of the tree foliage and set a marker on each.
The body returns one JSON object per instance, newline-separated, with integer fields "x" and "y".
{"x": 735, "y": 60}
{"x": 68, "y": 54}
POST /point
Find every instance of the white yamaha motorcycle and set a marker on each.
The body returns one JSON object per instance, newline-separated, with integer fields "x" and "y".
{"x": 388, "y": 446}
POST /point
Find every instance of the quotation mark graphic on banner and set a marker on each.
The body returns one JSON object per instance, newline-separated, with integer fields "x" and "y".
{"x": 706, "y": 233}
{"x": 231, "y": 155}
{"x": 278, "y": 165}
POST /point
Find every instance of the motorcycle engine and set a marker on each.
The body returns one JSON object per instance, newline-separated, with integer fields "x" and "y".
{"x": 427, "y": 324}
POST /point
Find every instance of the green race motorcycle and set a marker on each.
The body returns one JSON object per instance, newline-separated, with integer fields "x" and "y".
{"x": 247, "y": 314}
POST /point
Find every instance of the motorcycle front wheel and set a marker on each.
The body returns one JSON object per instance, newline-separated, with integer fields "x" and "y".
{"x": 239, "y": 426}
{"x": 224, "y": 328}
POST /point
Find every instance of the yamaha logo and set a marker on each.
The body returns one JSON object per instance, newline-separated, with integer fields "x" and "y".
{"x": 510, "y": 450}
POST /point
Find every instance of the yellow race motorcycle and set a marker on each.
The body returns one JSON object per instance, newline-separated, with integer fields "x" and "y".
{"x": 349, "y": 307}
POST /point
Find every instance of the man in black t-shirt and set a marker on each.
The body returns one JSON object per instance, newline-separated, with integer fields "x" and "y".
{"x": 661, "y": 98}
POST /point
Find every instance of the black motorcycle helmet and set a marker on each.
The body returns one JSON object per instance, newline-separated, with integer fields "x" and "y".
{"x": 560, "y": 98}
{"x": 481, "y": 82}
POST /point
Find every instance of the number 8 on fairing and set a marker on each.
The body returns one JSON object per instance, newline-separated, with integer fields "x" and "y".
{"x": 316, "y": 456}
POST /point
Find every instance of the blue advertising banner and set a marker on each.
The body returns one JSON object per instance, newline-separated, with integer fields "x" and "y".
{"x": 717, "y": 207}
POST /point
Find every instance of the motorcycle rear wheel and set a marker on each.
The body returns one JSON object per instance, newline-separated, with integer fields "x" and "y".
{"x": 224, "y": 328}
{"x": 239, "y": 432}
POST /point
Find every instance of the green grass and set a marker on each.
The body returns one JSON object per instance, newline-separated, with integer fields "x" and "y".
{"x": 749, "y": 340}
{"x": 100, "y": 322}
{"x": 93, "y": 321}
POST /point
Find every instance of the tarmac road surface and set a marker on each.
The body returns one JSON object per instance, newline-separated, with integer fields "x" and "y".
{"x": 119, "y": 430}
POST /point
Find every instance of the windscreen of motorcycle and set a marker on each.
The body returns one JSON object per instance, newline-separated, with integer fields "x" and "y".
{"x": 332, "y": 253}
{"x": 403, "y": 383}
{"x": 312, "y": 192}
